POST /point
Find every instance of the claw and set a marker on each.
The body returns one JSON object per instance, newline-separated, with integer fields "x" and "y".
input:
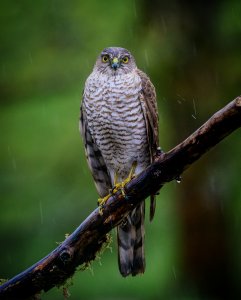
{"x": 121, "y": 185}
{"x": 101, "y": 202}
{"x": 117, "y": 187}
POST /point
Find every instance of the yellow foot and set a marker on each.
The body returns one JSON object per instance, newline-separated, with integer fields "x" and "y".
{"x": 117, "y": 187}
{"x": 121, "y": 185}
{"x": 101, "y": 202}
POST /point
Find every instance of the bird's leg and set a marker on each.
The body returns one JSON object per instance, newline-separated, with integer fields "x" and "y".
{"x": 121, "y": 185}
{"x": 101, "y": 201}
{"x": 131, "y": 174}
{"x": 115, "y": 181}
{"x": 117, "y": 186}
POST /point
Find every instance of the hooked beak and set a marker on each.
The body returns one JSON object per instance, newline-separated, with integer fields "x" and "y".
{"x": 115, "y": 63}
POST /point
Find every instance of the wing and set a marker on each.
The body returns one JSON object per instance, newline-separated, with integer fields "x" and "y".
{"x": 94, "y": 158}
{"x": 149, "y": 107}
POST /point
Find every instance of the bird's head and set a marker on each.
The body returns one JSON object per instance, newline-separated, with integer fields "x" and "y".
{"x": 115, "y": 60}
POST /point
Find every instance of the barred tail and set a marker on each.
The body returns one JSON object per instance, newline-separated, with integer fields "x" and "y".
{"x": 130, "y": 234}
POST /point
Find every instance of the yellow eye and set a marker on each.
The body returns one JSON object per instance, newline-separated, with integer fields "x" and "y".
{"x": 125, "y": 59}
{"x": 105, "y": 58}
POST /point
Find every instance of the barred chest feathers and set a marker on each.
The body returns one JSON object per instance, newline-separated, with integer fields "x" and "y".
{"x": 116, "y": 121}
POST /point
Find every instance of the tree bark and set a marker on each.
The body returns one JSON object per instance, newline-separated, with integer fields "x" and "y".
{"x": 87, "y": 240}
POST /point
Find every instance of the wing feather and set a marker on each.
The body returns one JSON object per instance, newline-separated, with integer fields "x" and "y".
{"x": 150, "y": 110}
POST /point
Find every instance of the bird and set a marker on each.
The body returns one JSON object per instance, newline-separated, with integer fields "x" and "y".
{"x": 119, "y": 127}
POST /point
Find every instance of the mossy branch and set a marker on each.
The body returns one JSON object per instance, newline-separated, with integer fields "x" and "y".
{"x": 87, "y": 240}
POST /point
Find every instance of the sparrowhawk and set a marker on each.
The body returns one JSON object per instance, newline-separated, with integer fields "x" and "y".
{"x": 119, "y": 126}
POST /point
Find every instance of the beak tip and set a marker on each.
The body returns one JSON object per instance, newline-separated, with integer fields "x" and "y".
{"x": 115, "y": 66}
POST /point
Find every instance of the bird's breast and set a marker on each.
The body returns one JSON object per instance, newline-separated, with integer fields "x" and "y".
{"x": 116, "y": 119}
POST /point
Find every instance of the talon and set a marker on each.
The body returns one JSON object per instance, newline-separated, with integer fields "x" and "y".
{"x": 117, "y": 186}
{"x": 123, "y": 191}
{"x": 131, "y": 174}
{"x": 111, "y": 192}
{"x": 121, "y": 185}
{"x": 101, "y": 210}
{"x": 101, "y": 202}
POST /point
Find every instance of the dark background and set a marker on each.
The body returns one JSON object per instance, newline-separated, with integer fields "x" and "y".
{"x": 192, "y": 52}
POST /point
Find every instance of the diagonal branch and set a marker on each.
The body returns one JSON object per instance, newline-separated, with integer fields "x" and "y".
{"x": 84, "y": 243}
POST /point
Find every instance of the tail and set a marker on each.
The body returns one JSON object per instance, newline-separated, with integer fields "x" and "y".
{"x": 130, "y": 235}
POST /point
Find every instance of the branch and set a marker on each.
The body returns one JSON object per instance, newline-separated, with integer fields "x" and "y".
{"x": 84, "y": 243}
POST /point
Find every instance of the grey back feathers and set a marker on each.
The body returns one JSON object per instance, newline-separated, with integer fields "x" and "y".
{"x": 119, "y": 126}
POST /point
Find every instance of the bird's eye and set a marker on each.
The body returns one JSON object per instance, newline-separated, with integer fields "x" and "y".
{"x": 125, "y": 59}
{"x": 105, "y": 58}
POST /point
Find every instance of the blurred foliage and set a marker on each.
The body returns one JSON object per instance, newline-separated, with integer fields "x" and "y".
{"x": 192, "y": 52}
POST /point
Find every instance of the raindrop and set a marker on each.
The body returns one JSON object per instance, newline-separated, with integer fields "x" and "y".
{"x": 181, "y": 99}
{"x": 194, "y": 108}
{"x": 134, "y": 8}
{"x": 147, "y": 58}
{"x": 174, "y": 272}
{"x": 178, "y": 179}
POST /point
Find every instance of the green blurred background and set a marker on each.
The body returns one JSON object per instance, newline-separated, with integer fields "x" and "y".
{"x": 192, "y": 52}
